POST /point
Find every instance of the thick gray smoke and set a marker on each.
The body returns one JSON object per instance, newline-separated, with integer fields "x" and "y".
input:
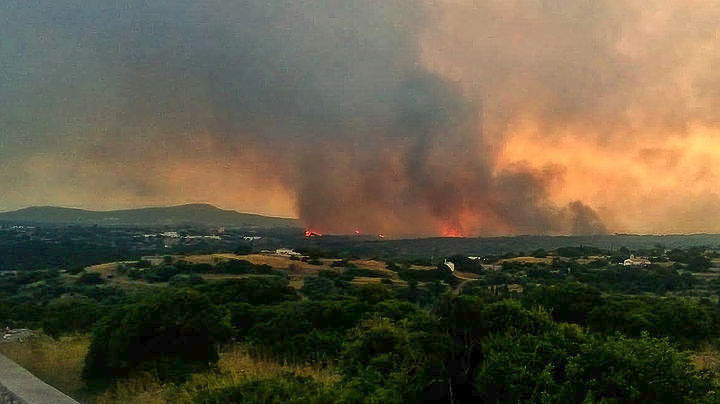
{"x": 327, "y": 98}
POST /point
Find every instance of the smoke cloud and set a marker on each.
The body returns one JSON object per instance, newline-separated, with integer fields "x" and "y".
{"x": 396, "y": 116}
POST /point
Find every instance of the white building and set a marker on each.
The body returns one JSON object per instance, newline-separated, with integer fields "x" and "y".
{"x": 636, "y": 262}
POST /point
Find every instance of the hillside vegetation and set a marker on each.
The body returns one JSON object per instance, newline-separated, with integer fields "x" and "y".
{"x": 571, "y": 324}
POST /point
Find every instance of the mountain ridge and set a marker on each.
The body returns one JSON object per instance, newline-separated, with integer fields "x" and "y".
{"x": 197, "y": 213}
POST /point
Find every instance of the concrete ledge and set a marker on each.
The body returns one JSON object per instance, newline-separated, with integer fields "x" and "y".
{"x": 18, "y": 386}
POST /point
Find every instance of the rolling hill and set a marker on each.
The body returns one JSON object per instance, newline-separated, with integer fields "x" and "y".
{"x": 197, "y": 214}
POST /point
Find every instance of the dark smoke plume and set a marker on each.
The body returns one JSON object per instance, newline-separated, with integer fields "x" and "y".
{"x": 329, "y": 99}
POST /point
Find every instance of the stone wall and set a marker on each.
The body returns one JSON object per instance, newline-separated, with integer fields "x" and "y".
{"x": 18, "y": 386}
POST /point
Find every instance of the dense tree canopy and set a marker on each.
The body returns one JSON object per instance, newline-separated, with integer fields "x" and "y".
{"x": 170, "y": 334}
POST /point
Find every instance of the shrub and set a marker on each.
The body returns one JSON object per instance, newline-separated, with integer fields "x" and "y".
{"x": 253, "y": 290}
{"x": 644, "y": 370}
{"x": 285, "y": 388}
{"x": 318, "y": 288}
{"x": 170, "y": 334}
{"x": 570, "y": 302}
{"x": 68, "y": 314}
{"x": 526, "y": 368}
{"x": 90, "y": 278}
{"x": 186, "y": 280}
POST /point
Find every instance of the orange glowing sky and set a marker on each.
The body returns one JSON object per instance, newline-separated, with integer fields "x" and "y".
{"x": 447, "y": 117}
{"x": 620, "y": 99}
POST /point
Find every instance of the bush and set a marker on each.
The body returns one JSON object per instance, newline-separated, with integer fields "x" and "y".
{"x": 564, "y": 365}
{"x": 308, "y": 330}
{"x": 526, "y": 368}
{"x": 441, "y": 273}
{"x": 285, "y": 388}
{"x": 90, "y": 278}
{"x": 70, "y": 314}
{"x": 644, "y": 370}
{"x": 318, "y": 288}
{"x": 253, "y": 290}
{"x": 186, "y": 280}
{"x": 171, "y": 335}
{"x": 698, "y": 263}
{"x": 570, "y": 302}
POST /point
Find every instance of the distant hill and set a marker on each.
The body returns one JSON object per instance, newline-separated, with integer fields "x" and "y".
{"x": 198, "y": 214}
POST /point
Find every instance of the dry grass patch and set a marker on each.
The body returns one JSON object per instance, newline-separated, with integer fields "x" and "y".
{"x": 363, "y": 280}
{"x": 706, "y": 358}
{"x": 370, "y": 264}
{"x": 212, "y": 259}
{"x": 57, "y": 362}
{"x": 529, "y": 260}
{"x": 466, "y": 275}
{"x": 138, "y": 389}
{"x": 235, "y": 366}
{"x": 109, "y": 268}
{"x": 110, "y": 273}
{"x": 60, "y": 362}
{"x": 275, "y": 261}
{"x": 237, "y": 360}
{"x": 280, "y": 262}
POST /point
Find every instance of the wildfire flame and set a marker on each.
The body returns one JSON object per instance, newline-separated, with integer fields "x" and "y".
{"x": 451, "y": 231}
{"x": 310, "y": 233}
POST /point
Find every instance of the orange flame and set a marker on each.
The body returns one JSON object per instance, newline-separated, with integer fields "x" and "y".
{"x": 310, "y": 233}
{"x": 450, "y": 231}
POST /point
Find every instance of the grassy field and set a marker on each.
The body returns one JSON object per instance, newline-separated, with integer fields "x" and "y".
{"x": 528, "y": 260}
{"x": 59, "y": 363}
{"x": 299, "y": 269}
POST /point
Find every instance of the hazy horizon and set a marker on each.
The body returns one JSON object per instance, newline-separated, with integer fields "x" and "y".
{"x": 143, "y": 207}
{"x": 352, "y": 233}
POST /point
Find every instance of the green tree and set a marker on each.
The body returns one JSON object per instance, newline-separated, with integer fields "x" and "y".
{"x": 527, "y": 368}
{"x": 570, "y": 302}
{"x": 90, "y": 278}
{"x": 643, "y": 370}
{"x": 70, "y": 314}
{"x": 318, "y": 288}
{"x": 170, "y": 334}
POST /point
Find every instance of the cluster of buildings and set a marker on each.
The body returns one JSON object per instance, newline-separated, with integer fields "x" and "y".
{"x": 174, "y": 234}
{"x": 634, "y": 261}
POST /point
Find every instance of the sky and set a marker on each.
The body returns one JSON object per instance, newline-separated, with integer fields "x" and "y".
{"x": 403, "y": 117}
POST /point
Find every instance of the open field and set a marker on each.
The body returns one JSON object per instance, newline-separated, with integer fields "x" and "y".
{"x": 528, "y": 260}
{"x": 110, "y": 271}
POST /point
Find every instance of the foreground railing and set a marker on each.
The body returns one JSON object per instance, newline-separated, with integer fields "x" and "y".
{"x": 18, "y": 386}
